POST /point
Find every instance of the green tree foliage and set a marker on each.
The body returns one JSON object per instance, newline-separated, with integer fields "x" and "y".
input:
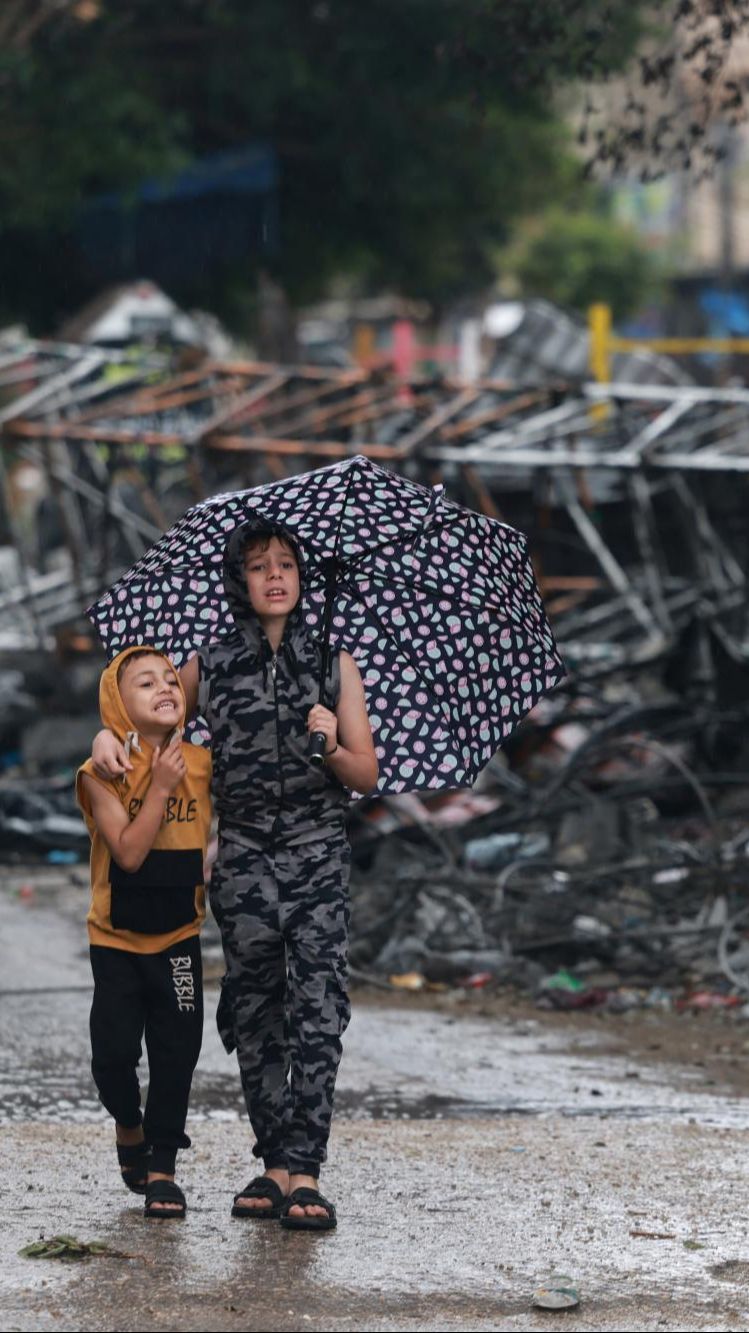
{"x": 410, "y": 133}
{"x": 576, "y": 258}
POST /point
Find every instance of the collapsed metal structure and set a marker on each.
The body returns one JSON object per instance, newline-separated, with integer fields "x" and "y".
{"x": 623, "y": 488}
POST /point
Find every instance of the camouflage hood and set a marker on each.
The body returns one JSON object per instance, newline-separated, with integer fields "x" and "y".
{"x": 235, "y": 588}
{"x": 257, "y": 709}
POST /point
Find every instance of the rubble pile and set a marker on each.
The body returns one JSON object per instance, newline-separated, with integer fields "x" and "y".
{"x": 632, "y": 494}
{"x": 608, "y": 843}
{"x": 611, "y": 869}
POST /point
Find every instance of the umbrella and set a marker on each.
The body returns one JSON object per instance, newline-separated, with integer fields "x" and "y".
{"x": 438, "y": 605}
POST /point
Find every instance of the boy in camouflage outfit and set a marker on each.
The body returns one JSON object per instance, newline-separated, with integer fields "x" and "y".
{"x": 279, "y": 888}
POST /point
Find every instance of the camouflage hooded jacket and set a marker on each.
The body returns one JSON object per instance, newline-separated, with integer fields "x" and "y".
{"x": 256, "y": 704}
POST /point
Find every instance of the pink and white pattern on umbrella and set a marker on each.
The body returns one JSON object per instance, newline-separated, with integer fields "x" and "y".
{"x": 439, "y": 606}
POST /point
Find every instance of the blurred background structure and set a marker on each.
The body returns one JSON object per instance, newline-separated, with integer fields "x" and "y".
{"x": 499, "y": 245}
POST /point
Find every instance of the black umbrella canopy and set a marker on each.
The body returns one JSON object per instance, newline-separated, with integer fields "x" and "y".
{"x": 439, "y": 606}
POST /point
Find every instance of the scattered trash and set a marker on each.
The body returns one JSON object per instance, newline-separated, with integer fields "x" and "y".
{"x": 558, "y": 1292}
{"x": 61, "y": 858}
{"x": 653, "y": 1235}
{"x": 591, "y": 998}
{"x": 408, "y": 981}
{"x": 564, "y": 981}
{"x": 708, "y": 1000}
{"x": 588, "y": 927}
{"x": 499, "y": 849}
{"x": 623, "y": 999}
{"x": 657, "y": 998}
{"x": 671, "y": 876}
{"x": 615, "y": 935}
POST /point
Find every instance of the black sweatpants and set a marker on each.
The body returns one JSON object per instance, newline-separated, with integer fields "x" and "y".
{"x": 158, "y": 996}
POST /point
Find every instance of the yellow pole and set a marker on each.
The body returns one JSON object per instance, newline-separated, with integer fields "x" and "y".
{"x": 599, "y": 330}
{"x": 364, "y": 345}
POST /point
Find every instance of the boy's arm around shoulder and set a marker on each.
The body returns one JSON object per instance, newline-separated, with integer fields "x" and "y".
{"x": 130, "y": 841}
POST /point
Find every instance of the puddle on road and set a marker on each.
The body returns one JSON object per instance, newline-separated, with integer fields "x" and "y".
{"x": 397, "y": 1066}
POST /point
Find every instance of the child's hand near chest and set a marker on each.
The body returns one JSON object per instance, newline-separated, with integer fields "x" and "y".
{"x": 168, "y": 767}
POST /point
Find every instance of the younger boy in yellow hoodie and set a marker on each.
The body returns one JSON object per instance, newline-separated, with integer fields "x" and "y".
{"x": 149, "y": 833}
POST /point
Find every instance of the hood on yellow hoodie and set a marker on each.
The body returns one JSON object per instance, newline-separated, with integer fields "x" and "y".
{"x": 111, "y": 708}
{"x": 184, "y": 830}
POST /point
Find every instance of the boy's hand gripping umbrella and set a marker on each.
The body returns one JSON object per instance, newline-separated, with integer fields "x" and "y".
{"x": 438, "y": 605}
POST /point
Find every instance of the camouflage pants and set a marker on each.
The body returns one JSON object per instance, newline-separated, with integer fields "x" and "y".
{"x": 283, "y": 915}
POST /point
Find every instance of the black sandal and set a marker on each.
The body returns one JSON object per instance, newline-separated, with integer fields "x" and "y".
{"x": 133, "y": 1160}
{"x": 164, "y": 1191}
{"x": 262, "y": 1187}
{"x": 304, "y": 1195}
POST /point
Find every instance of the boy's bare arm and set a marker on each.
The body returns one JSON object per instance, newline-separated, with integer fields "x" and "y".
{"x": 108, "y": 753}
{"x": 354, "y": 761}
{"x": 189, "y": 676}
{"x": 130, "y": 841}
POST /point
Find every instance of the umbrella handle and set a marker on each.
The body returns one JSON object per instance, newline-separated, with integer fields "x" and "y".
{"x": 316, "y": 748}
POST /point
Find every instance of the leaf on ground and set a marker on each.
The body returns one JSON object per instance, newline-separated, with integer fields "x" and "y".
{"x": 69, "y": 1249}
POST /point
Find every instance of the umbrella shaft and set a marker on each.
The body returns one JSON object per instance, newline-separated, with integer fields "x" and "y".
{"x": 316, "y": 748}
{"x": 330, "y": 587}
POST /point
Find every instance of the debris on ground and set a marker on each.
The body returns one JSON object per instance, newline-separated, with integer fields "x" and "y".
{"x": 599, "y": 879}
{"x": 70, "y": 1250}
{"x": 559, "y": 1292}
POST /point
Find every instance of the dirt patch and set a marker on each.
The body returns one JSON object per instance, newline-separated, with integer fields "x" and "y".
{"x": 714, "y": 1044}
{"x": 733, "y": 1270}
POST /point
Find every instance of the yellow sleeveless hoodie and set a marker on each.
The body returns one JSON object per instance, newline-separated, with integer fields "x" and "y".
{"x": 164, "y": 901}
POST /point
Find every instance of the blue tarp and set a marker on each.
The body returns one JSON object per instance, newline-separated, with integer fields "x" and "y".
{"x": 727, "y": 311}
{"x": 219, "y": 211}
{"x": 249, "y": 170}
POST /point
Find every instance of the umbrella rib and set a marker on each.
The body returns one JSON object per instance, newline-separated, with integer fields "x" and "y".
{"x": 403, "y": 542}
{"x": 351, "y": 564}
{"x": 390, "y": 541}
{"x": 336, "y": 551}
{"x": 454, "y": 598}
{"x": 440, "y": 706}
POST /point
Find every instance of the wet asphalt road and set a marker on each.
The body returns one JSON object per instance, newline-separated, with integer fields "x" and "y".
{"x": 470, "y": 1158}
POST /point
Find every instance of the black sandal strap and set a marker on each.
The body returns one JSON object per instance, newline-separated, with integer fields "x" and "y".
{"x": 164, "y": 1191}
{"x": 263, "y": 1187}
{"x": 305, "y": 1196}
{"x": 132, "y": 1154}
